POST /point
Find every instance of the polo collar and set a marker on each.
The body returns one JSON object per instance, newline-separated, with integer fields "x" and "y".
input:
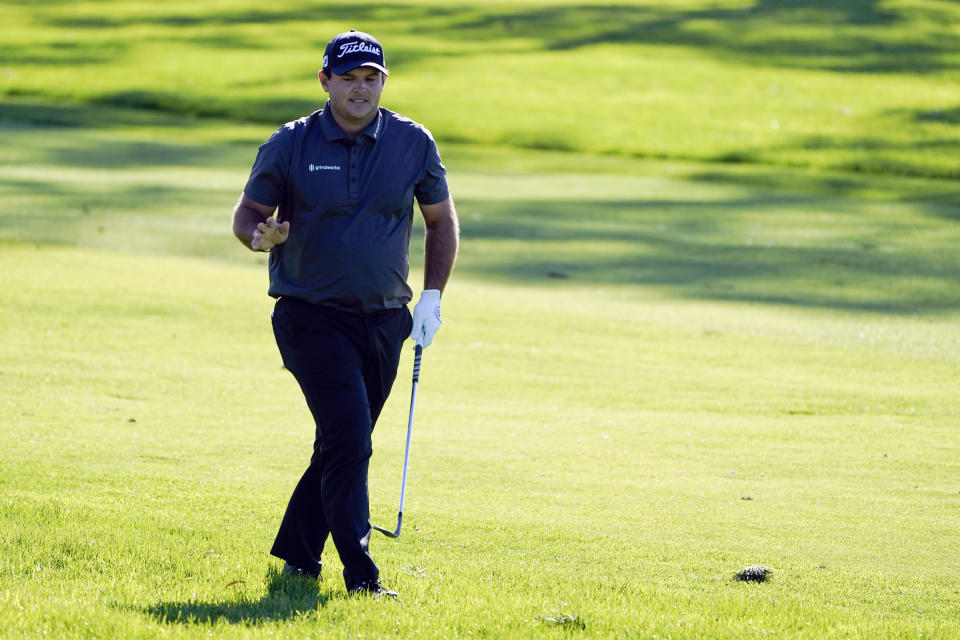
{"x": 332, "y": 131}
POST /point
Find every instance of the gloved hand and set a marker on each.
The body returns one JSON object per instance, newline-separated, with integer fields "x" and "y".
{"x": 426, "y": 317}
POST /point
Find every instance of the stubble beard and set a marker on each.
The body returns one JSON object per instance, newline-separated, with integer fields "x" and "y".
{"x": 358, "y": 113}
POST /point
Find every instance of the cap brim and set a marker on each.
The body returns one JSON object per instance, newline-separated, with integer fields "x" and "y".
{"x": 349, "y": 66}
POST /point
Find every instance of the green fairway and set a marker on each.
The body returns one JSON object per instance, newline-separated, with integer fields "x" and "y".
{"x": 679, "y": 341}
{"x": 858, "y": 85}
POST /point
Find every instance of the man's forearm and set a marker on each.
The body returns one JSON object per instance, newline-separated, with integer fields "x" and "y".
{"x": 245, "y": 221}
{"x": 440, "y": 252}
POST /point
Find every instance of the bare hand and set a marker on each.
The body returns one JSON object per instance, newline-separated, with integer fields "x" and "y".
{"x": 269, "y": 234}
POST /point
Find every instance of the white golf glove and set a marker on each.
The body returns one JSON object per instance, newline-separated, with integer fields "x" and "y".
{"x": 426, "y": 317}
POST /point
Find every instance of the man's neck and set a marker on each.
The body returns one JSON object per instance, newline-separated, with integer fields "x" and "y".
{"x": 352, "y": 130}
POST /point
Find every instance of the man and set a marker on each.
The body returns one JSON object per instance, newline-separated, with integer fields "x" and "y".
{"x": 344, "y": 179}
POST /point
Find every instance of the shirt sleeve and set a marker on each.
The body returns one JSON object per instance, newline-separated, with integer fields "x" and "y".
{"x": 268, "y": 177}
{"x": 432, "y": 188}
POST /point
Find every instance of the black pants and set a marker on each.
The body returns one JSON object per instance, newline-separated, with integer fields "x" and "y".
{"x": 346, "y": 364}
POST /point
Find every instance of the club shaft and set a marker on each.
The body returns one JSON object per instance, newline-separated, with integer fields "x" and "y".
{"x": 406, "y": 453}
{"x": 417, "y": 355}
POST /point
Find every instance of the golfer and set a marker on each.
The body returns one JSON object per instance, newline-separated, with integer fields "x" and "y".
{"x": 342, "y": 182}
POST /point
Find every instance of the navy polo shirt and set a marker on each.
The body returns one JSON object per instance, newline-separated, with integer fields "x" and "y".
{"x": 350, "y": 207}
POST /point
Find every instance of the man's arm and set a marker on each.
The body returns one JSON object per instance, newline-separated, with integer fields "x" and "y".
{"x": 440, "y": 248}
{"x": 441, "y": 243}
{"x": 255, "y": 226}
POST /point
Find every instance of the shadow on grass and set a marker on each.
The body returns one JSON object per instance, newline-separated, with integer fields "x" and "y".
{"x": 943, "y": 116}
{"x": 287, "y": 597}
{"x": 865, "y": 154}
{"x": 943, "y": 196}
{"x": 764, "y": 248}
{"x": 69, "y": 136}
{"x": 157, "y": 108}
{"x": 853, "y": 35}
{"x": 856, "y": 36}
{"x": 771, "y": 32}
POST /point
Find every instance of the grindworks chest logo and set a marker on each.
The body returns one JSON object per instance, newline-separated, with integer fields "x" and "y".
{"x": 322, "y": 167}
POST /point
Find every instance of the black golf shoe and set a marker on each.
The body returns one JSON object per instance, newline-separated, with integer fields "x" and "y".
{"x": 297, "y": 572}
{"x": 374, "y": 589}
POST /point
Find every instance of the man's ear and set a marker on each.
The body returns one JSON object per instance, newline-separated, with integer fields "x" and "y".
{"x": 323, "y": 80}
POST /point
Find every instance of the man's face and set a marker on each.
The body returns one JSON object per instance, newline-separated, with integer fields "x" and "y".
{"x": 355, "y": 95}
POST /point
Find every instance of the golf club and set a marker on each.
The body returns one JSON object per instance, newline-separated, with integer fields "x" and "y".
{"x": 418, "y": 352}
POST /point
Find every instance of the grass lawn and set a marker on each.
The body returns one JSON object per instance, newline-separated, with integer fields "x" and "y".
{"x": 670, "y": 350}
{"x": 598, "y": 452}
{"x": 855, "y": 85}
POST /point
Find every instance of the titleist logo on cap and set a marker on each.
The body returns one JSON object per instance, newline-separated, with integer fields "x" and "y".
{"x": 357, "y": 47}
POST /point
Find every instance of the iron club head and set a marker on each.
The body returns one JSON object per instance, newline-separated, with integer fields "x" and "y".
{"x": 387, "y": 532}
